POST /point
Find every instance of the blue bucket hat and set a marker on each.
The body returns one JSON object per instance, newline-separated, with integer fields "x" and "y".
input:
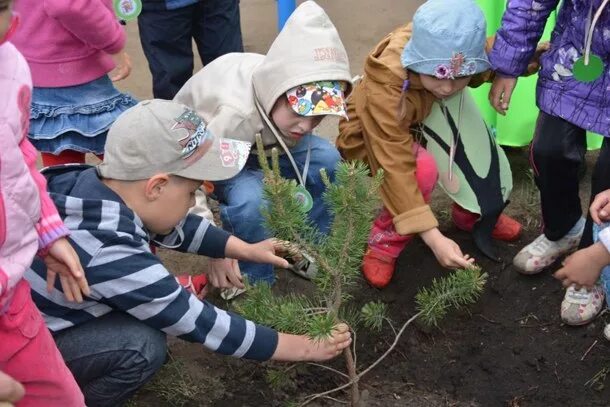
{"x": 448, "y": 40}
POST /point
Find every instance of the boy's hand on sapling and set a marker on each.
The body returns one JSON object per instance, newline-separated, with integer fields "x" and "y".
{"x": 583, "y": 267}
{"x": 446, "y": 251}
{"x": 61, "y": 260}
{"x": 261, "y": 252}
{"x": 298, "y": 348}
{"x": 501, "y": 92}
{"x": 224, "y": 273}
{"x": 600, "y": 208}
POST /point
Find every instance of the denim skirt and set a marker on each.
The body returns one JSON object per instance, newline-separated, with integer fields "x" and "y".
{"x": 75, "y": 117}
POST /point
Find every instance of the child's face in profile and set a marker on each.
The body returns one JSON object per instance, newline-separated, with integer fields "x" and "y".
{"x": 443, "y": 88}
{"x": 171, "y": 204}
{"x": 292, "y": 125}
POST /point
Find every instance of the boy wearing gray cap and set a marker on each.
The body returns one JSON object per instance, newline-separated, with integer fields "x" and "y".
{"x": 157, "y": 154}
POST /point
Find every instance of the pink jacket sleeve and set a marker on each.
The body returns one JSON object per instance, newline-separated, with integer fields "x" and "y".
{"x": 50, "y": 226}
{"x": 93, "y": 21}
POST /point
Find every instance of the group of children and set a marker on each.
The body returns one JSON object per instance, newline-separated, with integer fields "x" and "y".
{"x": 93, "y": 226}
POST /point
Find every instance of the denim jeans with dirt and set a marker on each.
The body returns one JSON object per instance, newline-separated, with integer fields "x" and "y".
{"x": 241, "y": 197}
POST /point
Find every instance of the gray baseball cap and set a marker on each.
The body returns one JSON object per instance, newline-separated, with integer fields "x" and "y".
{"x": 160, "y": 136}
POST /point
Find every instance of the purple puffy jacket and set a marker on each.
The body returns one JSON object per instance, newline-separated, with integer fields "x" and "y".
{"x": 586, "y": 105}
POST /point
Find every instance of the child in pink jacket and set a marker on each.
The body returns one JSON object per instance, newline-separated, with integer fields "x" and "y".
{"x": 71, "y": 46}
{"x": 29, "y": 225}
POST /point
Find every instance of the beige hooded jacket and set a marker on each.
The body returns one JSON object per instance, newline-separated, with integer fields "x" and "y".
{"x": 224, "y": 93}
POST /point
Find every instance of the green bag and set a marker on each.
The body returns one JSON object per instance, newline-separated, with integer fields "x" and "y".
{"x": 478, "y": 177}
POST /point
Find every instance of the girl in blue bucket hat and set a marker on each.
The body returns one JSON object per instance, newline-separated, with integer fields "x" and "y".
{"x": 437, "y": 55}
{"x": 572, "y": 94}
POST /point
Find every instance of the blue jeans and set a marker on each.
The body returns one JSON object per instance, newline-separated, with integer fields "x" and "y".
{"x": 241, "y": 198}
{"x": 112, "y": 356}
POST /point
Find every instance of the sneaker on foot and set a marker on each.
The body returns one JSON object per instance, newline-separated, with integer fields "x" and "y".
{"x": 506, "y": 229}
{"x": 229, "y": 294}
{"x": 304, "y": 267}
{"x": 378, "y": 268}
{"x": 579, "y": 307}
{"x": 542, "y": 252}
{"x": 607, "y": 332}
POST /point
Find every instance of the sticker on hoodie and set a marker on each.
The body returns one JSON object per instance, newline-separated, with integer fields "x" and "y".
{"x": 127, "y": 10}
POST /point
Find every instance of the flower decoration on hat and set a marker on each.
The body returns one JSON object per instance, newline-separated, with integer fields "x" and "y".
{"x": 457, "y": 67}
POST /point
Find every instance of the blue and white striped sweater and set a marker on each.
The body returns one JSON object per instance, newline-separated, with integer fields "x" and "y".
{"x": 124, "y": 275}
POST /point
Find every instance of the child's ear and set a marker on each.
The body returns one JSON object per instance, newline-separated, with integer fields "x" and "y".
{"x": 155, "y": 186}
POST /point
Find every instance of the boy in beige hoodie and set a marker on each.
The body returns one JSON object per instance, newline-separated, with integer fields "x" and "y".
{"x": 282, "y": 95}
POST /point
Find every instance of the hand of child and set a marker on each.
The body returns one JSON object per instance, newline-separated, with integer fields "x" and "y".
{"x": 296, "y": 348}
{"x": 583, "y": 267}
{"x": 62, "y": 260}
{"x": 600, "y": 208}
{"x": 11, "y": 391}
{"x": 264, "y": 252}
{"x": 501, "y": 92}
{"x": 284, "y": 248}
{"x": 534, "y": 65}
{"x": 446, "y": 251}
{"x": 123, "y": 66}
{"x": 224, "y": 273}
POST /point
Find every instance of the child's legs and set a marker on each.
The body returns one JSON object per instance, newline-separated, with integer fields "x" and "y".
{"x": 600, "y": 181}
{"x": 217, "y": 29}
{"x": 323, "y": 155}
{"x": 166, "y": 37}
{"x": 28, "y": 354}
{"x": 383, "y": 237}
{"x": 241, "y": 198}
{"x": 111, "y": 357}
{"x": 557, "y": 151}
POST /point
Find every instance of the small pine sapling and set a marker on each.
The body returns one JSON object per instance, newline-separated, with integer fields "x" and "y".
{"x": 353, "y": 200}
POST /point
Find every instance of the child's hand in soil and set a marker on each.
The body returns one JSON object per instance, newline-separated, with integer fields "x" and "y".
{"x": 583, "y": 267}
{"x": 600, "y": 208}
{"x": 62, "y": 261}
{"x": 446, "y": 251}
{"x": 11, "y": 391}
{"x": 297, "y": 348}
{"x": 261, "y": 252}
{"x": 224, "y": 273}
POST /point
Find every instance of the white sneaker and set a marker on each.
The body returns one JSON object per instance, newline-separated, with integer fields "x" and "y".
{"x": 607, "y": 332}
{"x": 229, "y": 294}
{"x": 579, "y": 307}
{"x": 542, "y": 252}
{"x": 306, "y": 267}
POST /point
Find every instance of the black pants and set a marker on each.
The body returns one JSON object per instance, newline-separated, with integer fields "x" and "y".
{"x": 557, "y": 152}
{"x": 166, "y": 37}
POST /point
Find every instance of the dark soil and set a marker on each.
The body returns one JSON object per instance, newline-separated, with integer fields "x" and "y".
{"x": 509, "y": 349}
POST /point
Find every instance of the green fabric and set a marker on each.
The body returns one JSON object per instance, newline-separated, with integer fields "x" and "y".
{"x": 516, "y": 129}
{"x": 479, "y": 147}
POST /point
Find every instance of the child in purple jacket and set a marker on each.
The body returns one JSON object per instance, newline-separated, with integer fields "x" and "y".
{"x": 572, "y": 97}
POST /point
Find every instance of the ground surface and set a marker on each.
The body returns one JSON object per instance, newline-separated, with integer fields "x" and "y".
{"x": 509, "y": 350}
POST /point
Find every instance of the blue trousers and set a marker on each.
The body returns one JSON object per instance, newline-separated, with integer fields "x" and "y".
{"x": 166, "y": 37}
{"x": 111, "y": 357}
{"x": 241, "y": 198}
